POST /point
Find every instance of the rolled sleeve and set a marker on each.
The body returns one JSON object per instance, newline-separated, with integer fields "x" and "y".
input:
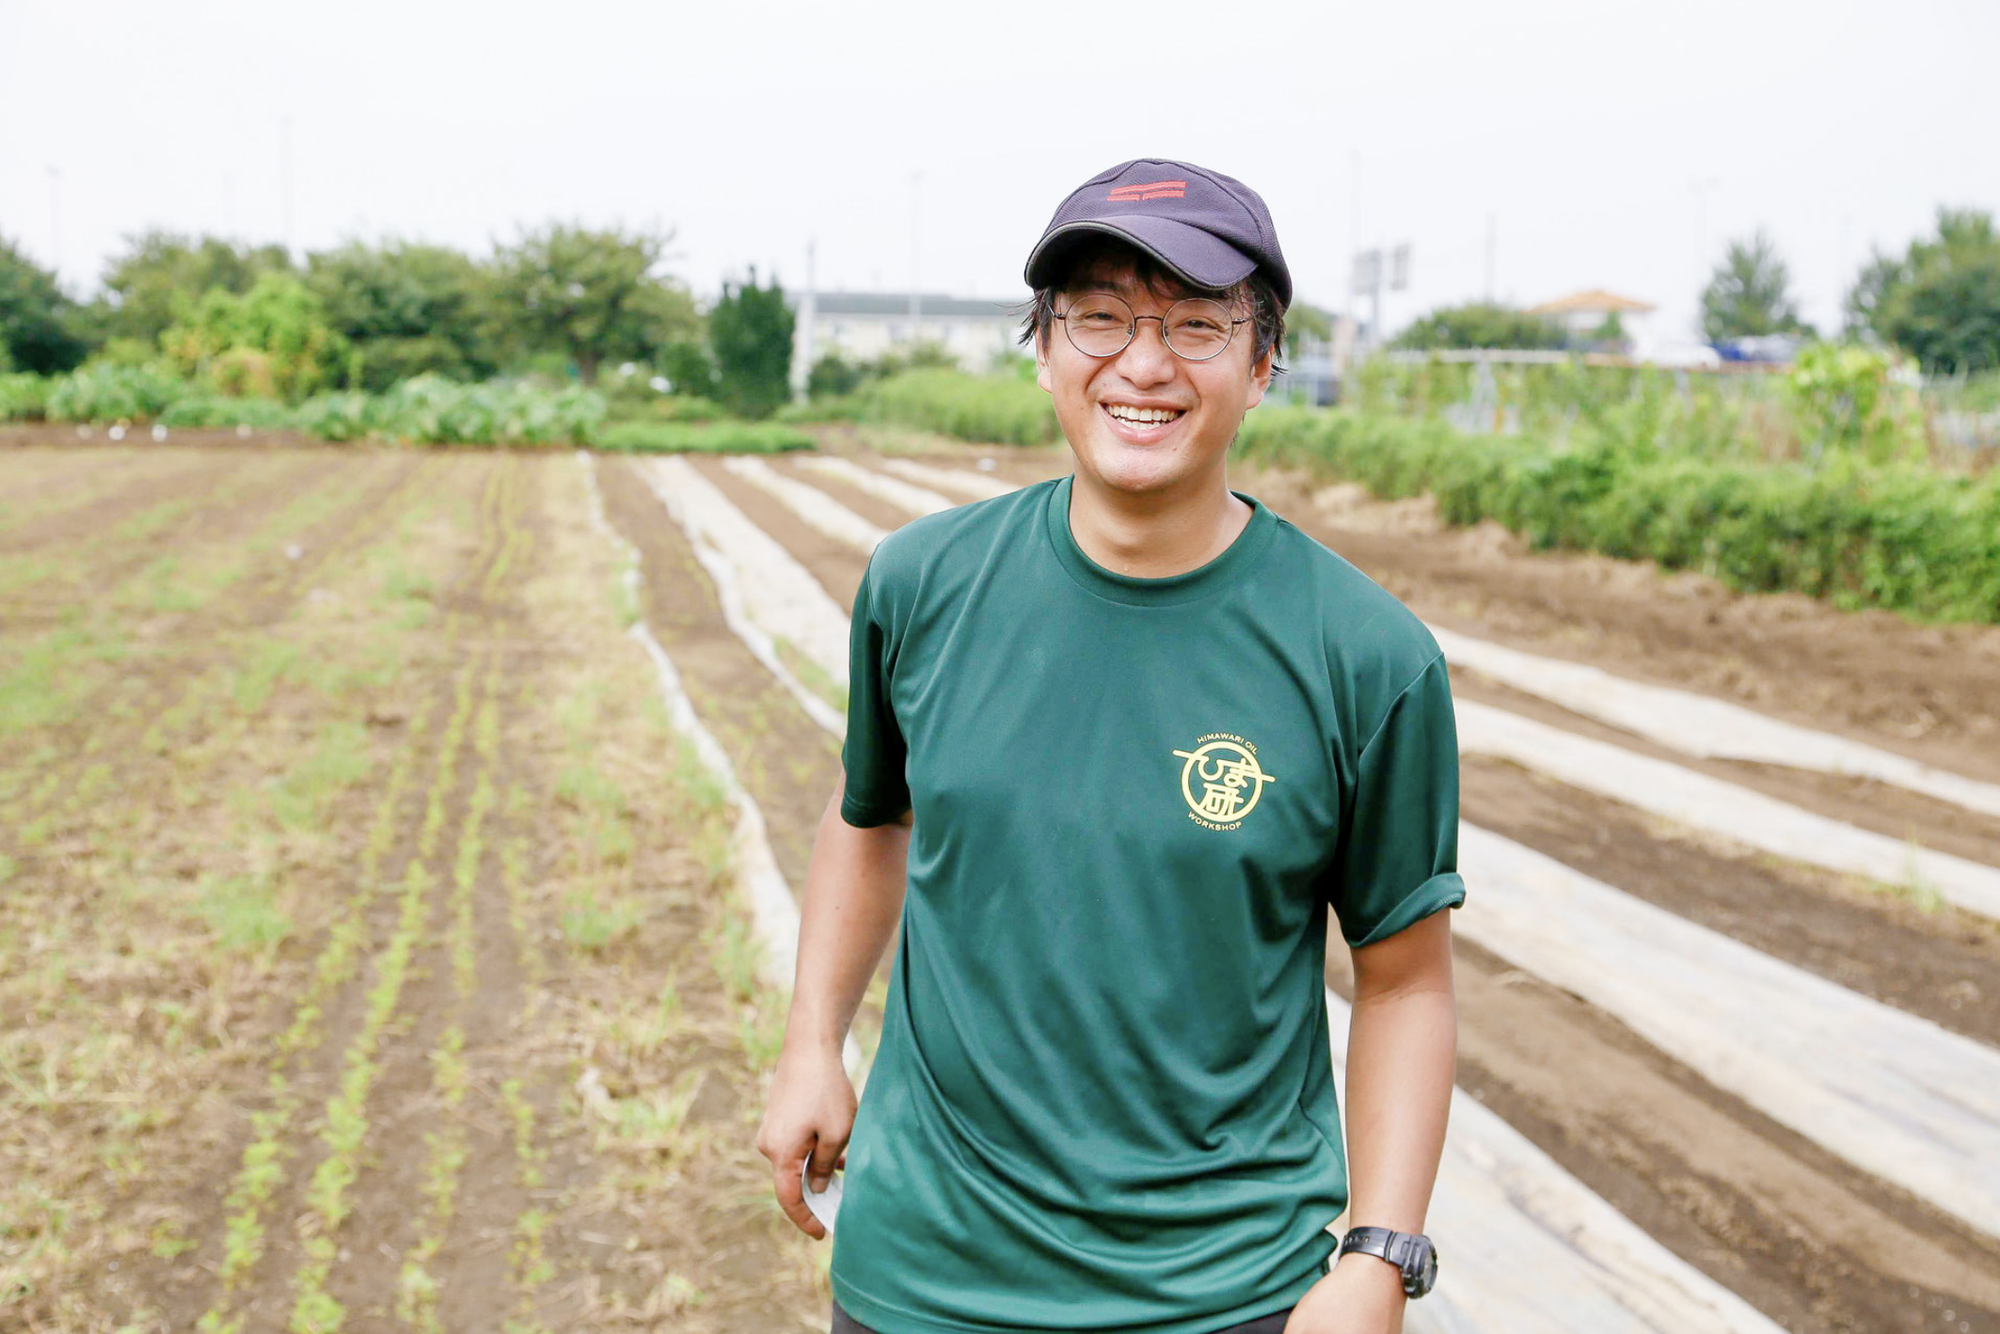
{"x": 1398, "y": 858}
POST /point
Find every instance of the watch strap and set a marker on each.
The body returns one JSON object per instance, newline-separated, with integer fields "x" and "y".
{"x": 1411, "y": 1253}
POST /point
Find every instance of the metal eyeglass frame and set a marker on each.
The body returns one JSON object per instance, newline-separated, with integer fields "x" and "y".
{"x": 1132, "y": 328}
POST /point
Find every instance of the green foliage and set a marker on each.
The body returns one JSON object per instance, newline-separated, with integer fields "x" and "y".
{"x": 981, "y": 408}
{"x": 750, "y": 331}
{"x": 155, "y": 284}
{"x": 1843, "y": 400}
{"x": 113, "y": 393}
{"x": 1940, "y": 301}
{"x": 833, "y": 376}
{"x": 406, "y": 310}
{"x": 697, "y": 438}
{"x": 270, "y": 342}
{"x": 218, "y": 410}
{"x": 431, "y": 410}
{"x": 37, "y": 322}
{"x": 23, "y": 397}
{"x": 1749, "y": 293}
{"x": 1858, "y": 534}
{"x": 1480, "y": 324}
{"x": 688, "y": 367}
{"x": 591, "y": 295}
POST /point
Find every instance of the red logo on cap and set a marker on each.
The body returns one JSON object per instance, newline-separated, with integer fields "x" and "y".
{"x": 1132, "y": 194}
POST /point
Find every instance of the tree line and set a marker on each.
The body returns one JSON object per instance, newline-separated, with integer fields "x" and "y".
{"x": 562, "y": 300}
{"x": 1939, "y": 302}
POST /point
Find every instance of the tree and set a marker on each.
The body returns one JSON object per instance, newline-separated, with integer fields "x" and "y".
{"x": 407, "y": 309}
{"x": 1481, "y": 324}
{"x": 37, "y": 322}
{"x": 591, "y": 295}
{"x": 163, "y": 274}
{"x": 751, "y": 332}
{"x": 1941, "y": 301}
{"x": 272, "y": 341}
{"x": 1749, "y": 294}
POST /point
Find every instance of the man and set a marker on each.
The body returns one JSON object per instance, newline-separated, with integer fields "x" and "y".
{"x": 1116, "y": 747}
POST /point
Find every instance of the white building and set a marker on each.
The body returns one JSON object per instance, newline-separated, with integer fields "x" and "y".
{"x": 861, "y": 326}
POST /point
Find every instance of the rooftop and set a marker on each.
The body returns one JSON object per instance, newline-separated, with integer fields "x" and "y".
{"x": 1596, "y": 301}
{"x": 935, "y": 304}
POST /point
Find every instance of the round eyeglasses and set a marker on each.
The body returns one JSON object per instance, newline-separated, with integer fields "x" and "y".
{"x": 1102, "y": 325}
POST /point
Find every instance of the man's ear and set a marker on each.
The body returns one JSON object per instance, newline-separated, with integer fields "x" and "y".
{"x": 1261, "y": 371}
{"x": 1042, "y": 364}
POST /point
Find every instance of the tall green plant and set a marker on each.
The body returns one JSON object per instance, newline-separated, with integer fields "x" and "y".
{"x": 271, "y": 342}
{"x": 750, "y": 330}
{"x": 1749, "y": 293}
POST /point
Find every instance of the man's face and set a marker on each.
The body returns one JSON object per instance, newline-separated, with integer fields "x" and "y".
{"x": 1096, "y": 398}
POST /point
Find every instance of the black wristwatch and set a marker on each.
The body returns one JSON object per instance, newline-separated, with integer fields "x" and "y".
{"x": 1411, "y": 1253}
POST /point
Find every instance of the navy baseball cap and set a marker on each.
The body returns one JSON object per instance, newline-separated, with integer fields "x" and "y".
{"x": 1210, "y": 229}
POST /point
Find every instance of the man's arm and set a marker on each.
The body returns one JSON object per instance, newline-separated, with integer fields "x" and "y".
{"x": 853, "y": 898}
{"x": 1401, "y": 1047}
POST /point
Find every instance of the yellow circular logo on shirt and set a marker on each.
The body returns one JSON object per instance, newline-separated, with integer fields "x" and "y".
{"x": 1221, "y": 780}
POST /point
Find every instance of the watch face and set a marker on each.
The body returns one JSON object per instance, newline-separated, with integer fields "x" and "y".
{"x": 1427, "y": 1270}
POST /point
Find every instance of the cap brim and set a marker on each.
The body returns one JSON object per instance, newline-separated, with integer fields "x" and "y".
{"x": 1196, "y": 256}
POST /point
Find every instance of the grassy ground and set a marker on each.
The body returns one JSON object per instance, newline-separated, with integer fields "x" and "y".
{"x": 368, "y": 954}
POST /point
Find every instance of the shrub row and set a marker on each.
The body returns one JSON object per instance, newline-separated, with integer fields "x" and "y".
{"x": 987, "y": 409}
{"x": 1859, "y": 535}
{"x": 702, "y": 438}
{"x": 426, "y": 410}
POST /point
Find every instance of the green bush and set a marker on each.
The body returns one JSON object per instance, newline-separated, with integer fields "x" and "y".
{"x": 23, "y": 397}
{"x": 1855, "y": 533}
{"x": 984, "y": 409}
{"x": 113, "y": 393}
{"x": 702, "y": 438}
{"x": 431, "y": 410}
{"x": 217, "y": 410}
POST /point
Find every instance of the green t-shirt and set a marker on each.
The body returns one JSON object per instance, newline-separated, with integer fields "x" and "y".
{"x": 1103, "y": 1098}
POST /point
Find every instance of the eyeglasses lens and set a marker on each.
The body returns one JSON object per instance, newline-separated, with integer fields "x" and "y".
{"x": 1100, "y": 325}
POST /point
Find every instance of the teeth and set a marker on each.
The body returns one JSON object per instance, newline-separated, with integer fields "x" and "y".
{"x": 1143, "y": 415}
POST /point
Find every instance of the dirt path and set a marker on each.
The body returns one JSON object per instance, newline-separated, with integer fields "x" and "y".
{"x": 1799, "y": 1233}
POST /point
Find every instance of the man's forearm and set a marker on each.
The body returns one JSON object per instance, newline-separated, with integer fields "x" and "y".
{"x": 853, "y": 898}
{"x": 1401, "y": 1047}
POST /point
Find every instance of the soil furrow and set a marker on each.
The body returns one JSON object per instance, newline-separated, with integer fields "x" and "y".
{"x": 786, "y": 762}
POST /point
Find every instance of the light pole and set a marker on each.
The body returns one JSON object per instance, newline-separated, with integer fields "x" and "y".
{"x": 916, "y": 300}
{"x": 1701, "y": 190}
{"x": 55, "y": 219}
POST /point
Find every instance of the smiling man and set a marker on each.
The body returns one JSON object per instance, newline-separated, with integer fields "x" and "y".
{"x": 1119, "y": 747}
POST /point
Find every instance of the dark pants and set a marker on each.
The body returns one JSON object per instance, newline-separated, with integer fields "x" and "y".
{"x": 1274, "y": 1323}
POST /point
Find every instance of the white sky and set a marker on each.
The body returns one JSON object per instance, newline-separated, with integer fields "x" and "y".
{"x": 1591, "y": 132}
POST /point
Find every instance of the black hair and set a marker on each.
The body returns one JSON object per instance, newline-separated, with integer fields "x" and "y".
{"x": 1102, "y": 251}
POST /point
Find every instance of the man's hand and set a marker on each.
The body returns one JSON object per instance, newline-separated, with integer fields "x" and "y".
{"x": 1363, "y": 1295}
{"x": 810, "y": 1115}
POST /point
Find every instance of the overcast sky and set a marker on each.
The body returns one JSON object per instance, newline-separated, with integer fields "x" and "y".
{"x": 1613, "y": 145}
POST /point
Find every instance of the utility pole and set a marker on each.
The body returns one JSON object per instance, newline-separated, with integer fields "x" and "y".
{"x": 285, "y": 178}
{"x": 916, "y": 300}
{"x": 1492, "y": 244}
{"x": 1701, "y": 190}
{"x": 804, "y": 353}
{"x": 55, "y": 220}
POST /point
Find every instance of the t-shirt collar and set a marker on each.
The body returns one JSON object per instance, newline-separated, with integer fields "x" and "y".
{"x": 1226, "y": 570}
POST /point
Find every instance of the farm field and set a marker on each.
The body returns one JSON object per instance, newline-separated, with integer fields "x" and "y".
{"x": 366, "y": 955}
{"x": 369, "y": 960}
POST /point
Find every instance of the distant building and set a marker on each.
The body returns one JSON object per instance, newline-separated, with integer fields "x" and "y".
{"x": 1582, "y": 314}
{"x": 861, "y": 326}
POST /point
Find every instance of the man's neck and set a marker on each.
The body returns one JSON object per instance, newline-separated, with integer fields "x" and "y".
{"x": 1155, "y": 536}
